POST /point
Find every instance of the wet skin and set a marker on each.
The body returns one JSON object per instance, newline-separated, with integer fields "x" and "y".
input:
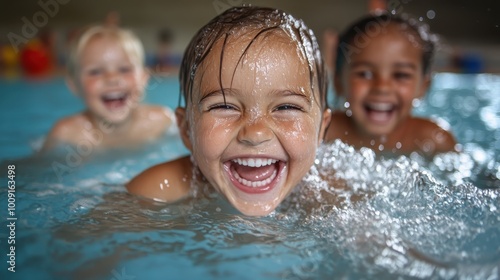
{"x": 256, "y": 139}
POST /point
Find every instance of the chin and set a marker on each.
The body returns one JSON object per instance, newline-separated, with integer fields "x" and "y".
{"x": 117, "y": 118}
{"x": 255, "y": 206}
{"x": 257, "y": 211}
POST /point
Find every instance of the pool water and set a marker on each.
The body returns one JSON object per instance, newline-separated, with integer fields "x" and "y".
{"x": 400, "y": 218}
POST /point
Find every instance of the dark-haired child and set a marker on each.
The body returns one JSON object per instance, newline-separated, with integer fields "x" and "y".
{"x": 255, "y": 90}
{"x": 383, "y": 64}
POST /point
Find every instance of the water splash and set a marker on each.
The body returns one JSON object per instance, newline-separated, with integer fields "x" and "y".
{"x": 354, "y": 216}
{"x": 397, "y": 219}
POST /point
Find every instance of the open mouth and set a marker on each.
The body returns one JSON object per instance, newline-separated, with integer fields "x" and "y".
{"x": 115, "y": 100}
{"x": 380, "y": 112}
{"x": 254, "y": 175}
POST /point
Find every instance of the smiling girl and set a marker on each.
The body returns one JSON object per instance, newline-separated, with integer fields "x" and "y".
{"x": 255, "y": 90}
{"x": 383, "y": 65}
{"x": 106, "y": 70}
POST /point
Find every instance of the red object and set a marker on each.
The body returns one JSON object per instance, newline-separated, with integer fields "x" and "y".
{"x": 35, "y": 60}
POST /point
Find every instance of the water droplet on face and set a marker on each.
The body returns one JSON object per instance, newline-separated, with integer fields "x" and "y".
{"x": 431, "y": 14}
{"x": 398, "y": 145}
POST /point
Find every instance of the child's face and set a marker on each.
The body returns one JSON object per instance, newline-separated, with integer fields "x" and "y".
{"x": 382, "y": 80}
{"x": 255, "y": 146}
{"x": 108, "y": 81}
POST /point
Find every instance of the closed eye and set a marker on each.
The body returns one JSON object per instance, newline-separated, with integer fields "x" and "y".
{"x": 221, "y": 107}
{"x": 125, "y": 69}
{"x": 94, "y": 71}
{"x": 402, "y": 75}
{"x": 288, "y": 107}
{"x": 364, "y": 74}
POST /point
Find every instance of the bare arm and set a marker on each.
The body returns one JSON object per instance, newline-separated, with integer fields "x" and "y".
{"x": 168, "y": 182}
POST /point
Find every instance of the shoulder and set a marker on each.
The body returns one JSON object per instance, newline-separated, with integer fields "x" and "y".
{"x": 168, "y": 182}
{"x": 158, "y": 113}
{"x": 156, "y": 119}
{"x": 68, "y": 124}
{"x": 436, "y": 138}
{"x": 65, "y": 131}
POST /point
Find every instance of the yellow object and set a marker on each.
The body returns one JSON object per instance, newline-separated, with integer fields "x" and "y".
{"x": 9, "y": 56}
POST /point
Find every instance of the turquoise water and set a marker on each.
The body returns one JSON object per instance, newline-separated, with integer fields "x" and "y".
{"x": 414, "y": 220}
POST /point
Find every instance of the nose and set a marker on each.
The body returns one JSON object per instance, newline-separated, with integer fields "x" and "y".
{"x": 381, "y": 84}
{"x": 255, "y": 132}
{"x": 113, "y": 78}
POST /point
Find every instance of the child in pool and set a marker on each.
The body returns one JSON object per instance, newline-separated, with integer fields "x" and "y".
{"x": 255, "y": 89}
{"x": 106, "y": 69}
{"x": 383, "y": 64}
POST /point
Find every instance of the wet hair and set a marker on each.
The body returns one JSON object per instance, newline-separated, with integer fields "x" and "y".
{"x": 127, "y": 39}
{"x": 261, "y": 22}
{"x": 372, "y": 24}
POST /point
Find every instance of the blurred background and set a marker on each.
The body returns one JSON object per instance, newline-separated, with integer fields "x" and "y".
{"x": 469, "y": 30}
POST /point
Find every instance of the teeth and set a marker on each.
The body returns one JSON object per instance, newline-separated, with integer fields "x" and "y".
{"x": 381, "y": 106}
{"x": 257, "y": 162}
{"x": 255, "y": 184}
{"x": 114, "y": 95}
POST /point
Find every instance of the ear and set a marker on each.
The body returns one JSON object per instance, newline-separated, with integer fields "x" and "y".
{"x": 325, "y": 122}
{"x": 183, "y": 125}
{"x": 426, "y": 83}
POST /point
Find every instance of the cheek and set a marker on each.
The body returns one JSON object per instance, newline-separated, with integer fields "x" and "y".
{"x": 89, "y": 86}
{"x": 300, "y": 137}
{"x": 137, "y": 81}
{"x": 356, "y": 90}
{"x": 209, "y": 136}
{"x": 407, "y": 93}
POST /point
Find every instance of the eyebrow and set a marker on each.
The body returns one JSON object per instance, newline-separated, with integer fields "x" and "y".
{"x": 227, "y": 91}
{"x": 288, "y": 92}
{"x": 397, "y": 64}
{"x": 406, "y": 65}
